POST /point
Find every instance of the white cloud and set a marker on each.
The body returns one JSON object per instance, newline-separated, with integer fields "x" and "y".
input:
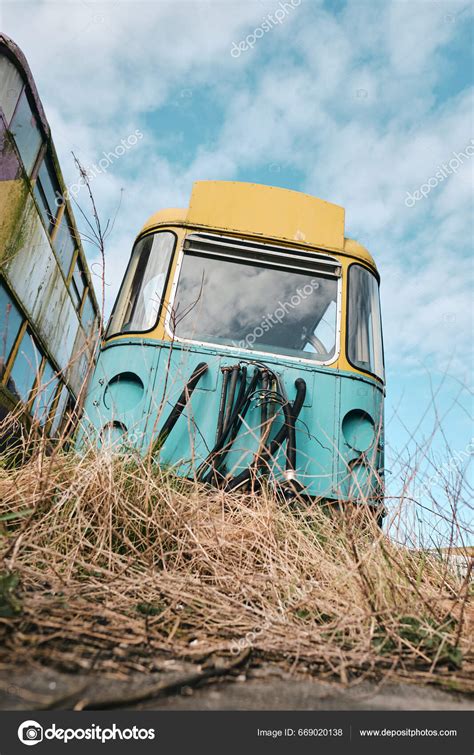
{"x": 349, "y": 101}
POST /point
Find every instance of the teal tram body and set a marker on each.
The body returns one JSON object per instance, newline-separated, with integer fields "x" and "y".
{"x": 246, "y": 345}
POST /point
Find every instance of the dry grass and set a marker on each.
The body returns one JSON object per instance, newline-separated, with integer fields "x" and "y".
{"x": 108, "y": 562}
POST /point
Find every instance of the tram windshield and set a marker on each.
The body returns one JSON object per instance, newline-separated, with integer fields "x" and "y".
{"x": 272, "y": 308}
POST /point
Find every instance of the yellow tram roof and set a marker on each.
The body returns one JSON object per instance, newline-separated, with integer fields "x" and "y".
{"x": 264, "y": 211}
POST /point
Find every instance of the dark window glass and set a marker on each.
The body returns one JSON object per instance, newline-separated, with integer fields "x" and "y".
{"x": 364, "y": 338}
{"x": 256, "y": 307}
{"x": 45, "y": 395}
{"x": 78, "y": 283}
{"x": 76, "y": 297}
{"x": 65, "y": 244}
{"x": 139, "y": 300}
{"x": 10, "y": 322}
{"x": 25, "y": 368}
{"x": 47, "y": 194}
{"x": 27, "y": 135}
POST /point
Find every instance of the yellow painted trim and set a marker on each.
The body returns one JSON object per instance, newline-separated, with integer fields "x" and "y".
{"x": 57, "y": 223}
{"x": 36, "y": 385}
{"x": 84, "y": 297}
{"x": 170, "y": 216}
{"x": 72, "y": 267}
{"x": 14, "y": 352}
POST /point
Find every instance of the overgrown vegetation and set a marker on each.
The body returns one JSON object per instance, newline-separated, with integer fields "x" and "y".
{"x": 107, "y": 561}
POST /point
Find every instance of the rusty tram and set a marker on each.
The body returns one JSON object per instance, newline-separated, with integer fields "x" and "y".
{"x": 246, "y": 345}
{"x": 48, "y": 309}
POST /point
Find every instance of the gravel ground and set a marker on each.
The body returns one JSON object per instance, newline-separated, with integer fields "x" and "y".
{"x": 178, "y": 686}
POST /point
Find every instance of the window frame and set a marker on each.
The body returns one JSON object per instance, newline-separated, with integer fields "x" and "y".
{"x": 8, "y": 357}
{"x": 25, "y": 330}
{"x": 255, "y": 352}
{"x": 25, "y": 326}
{"x": 376, "y": 276}
{"x": 165, "y": 285}
{"x": 37, "y": 390}
{"x": 37, "y": 186}
{"x": 32, "y": 172}
{"x": 64, "y": 214}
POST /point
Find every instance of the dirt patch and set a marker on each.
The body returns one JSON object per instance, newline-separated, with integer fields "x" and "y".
{"x": 267, "y": 687}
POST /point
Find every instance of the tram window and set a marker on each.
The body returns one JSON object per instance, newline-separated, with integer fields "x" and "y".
{"x": 60, "y": 407}
{"x": 88, "y": 314}
{"x": 78, "y": 283}
{"x": 10, "y": 322}
{"x": 26, "y": 133}
{"x": 65, "y": 244}
{"x": 46, "y": 192}
{"x": 25, "y": 368}
{"x": 45, "y": 395}
{"x": 364, "y": 332}
{"x": 139, "y": 301}
{"x": 252, "y": 306}
{"x": 11, "y": 86}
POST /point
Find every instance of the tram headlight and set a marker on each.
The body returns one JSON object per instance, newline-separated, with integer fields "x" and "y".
{"x": 124, "y": 392}
{"x": 358, "y": 429}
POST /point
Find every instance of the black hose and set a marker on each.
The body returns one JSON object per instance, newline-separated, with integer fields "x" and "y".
{"x": 233, "y": 424}
{"x": 291, "y": 415}
{"x": 295, "y": 409}
{"x": 290, "y": 434}
{"x": 264, "y": 410}
{"x": 219, "y": 459}
{"x": 230, "y": 399}
{"x": 177, "y": 409}
{"x": 240, "y": 403}
{"x": 220, "y": 418}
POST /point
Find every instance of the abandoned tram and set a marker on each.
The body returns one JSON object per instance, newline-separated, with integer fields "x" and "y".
{"x": 246, "y": 345}
{"x": 48, "y": 310}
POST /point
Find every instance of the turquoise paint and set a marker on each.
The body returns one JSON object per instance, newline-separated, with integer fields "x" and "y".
{"x": 324, "y": 456}
{"x": 358, "y": 430}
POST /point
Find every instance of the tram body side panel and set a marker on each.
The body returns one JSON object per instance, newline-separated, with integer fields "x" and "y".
{"x": 137, "y": 382}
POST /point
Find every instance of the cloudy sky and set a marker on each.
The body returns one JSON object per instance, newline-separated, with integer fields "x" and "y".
{"x": 361, "y": 103}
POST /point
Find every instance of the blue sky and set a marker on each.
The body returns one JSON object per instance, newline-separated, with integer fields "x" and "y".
{"x": 359, "y": 103}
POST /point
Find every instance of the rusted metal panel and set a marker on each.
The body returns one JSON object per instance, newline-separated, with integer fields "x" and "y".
{"x": 10, "y": 169}
{"x": 34, "y": 275}
{"x": 13, "y": 192}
